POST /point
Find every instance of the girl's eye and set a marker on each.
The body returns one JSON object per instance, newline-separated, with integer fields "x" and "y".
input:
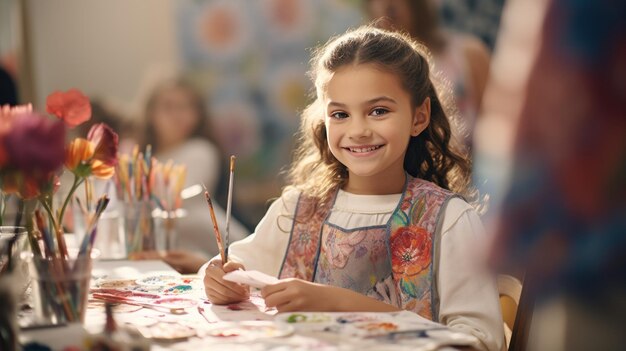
{"x": 339, "y": 115}
{"x": 379, "y": 111}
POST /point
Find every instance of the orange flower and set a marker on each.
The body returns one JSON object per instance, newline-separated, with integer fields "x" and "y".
{"x": 78, "y": 152}
{"x": 101, "y": 170}
{"x": 71, "y": 106}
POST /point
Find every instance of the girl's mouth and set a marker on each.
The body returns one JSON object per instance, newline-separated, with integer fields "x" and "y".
{"x": 363, "y": 149}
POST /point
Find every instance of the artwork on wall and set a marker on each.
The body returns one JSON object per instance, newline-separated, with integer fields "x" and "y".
{"x": 250, "y": 59}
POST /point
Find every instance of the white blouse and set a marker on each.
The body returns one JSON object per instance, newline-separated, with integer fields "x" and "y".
{"x": 468, "y": 295}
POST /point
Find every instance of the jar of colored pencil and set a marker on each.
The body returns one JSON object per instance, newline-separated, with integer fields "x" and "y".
{"x": 139, "y": 226}
{"x": 165, "y": 223}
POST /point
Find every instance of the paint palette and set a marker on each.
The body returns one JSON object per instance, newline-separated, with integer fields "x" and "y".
{"x": 361, "y": 324}
{"x": 167, "y": 331}
{"x": 157, "y": 282}
{"x": 250, "y": 330}
{"x": 178, "y": 289}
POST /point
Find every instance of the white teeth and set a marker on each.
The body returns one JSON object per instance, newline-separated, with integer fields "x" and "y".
{"x": 363, "y": 149}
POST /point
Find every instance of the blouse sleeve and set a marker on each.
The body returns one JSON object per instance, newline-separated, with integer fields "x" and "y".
{"x": 468, "y": 294}
{"x": 264, "y": 250}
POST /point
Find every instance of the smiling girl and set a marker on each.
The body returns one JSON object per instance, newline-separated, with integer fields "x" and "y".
{"x": 372, "y": 220}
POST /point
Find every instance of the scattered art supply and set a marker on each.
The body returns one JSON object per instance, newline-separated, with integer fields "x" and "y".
{"x": 251, "y": 330}
{"x": 363, "y": 324}
{"x": 252, "y": 309}
{"x": 125, "y": 293}
{"x": 356, "y": 317}
{"x": 115, "y": 283}
{"x": 254, "y": 279}
{"x": 176, "y": 302}
{"x": 308, "y": 318}
{"x": 383, "y": 326}
{"x": 207, "y": 317}
{"x": 175, "y": 305}
{"x": 98, "y": 305}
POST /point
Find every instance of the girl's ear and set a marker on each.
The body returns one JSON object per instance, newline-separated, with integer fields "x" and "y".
{"x": 421, "y": 118}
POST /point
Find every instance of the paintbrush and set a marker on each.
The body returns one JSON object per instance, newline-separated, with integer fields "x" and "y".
{"x": 129, "y": 301}
{"x": 216, "y": 229}
{"x": 203, "y": 314}
{"x": 229, "y": 203}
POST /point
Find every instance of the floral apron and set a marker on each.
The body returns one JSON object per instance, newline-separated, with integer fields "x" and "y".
{"x": 393, "y": 263}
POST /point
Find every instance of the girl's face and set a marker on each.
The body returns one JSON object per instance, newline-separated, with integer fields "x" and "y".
{"x": 174, "y": 115}
{"x": 369, "y": 121}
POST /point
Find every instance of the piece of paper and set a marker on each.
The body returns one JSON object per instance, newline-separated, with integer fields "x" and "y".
{"x": 254, "y": 279}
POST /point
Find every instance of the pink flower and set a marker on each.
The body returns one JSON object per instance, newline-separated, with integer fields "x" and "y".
{"x": 106, "y": 143}
{"x": 35, "y": 145}
{"x": 72, "y": 106}
{"x": 8, "y": 113}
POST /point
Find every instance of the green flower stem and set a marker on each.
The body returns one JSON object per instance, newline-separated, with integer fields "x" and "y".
{"x": 77, "y": 181}
{"x": 2, "y": 207}
{"x": 48, "y": 209}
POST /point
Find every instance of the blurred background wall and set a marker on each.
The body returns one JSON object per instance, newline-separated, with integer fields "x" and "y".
{"x": 248, "y": 58}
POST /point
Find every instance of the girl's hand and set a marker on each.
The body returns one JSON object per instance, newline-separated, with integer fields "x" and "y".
{"x": 220, "y": 291}
{"x": 290, "y": 295}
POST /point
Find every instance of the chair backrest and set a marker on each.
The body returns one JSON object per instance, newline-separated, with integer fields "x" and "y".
{"x": 510, "y": 290}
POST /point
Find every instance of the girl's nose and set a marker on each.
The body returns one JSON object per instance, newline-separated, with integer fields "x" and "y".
{"x": 359, "y": 129}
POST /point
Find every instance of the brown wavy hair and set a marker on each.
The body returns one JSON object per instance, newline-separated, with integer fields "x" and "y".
{"x": 432, "y": 155}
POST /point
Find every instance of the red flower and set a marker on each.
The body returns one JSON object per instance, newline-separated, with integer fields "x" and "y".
{"x": 71, "y": 106}
{"x": 410, "y": 250}
{"x": 106, "y": 142}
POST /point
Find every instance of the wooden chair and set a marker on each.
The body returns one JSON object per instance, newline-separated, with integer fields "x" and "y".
{"x": 510, "y": 291}
{"x": 517, "y": 304}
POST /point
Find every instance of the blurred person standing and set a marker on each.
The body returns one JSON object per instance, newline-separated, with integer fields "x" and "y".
{"x": 462, "y": 59}
{"x": 553, "y": 141}
{"x": 179, "y": 129}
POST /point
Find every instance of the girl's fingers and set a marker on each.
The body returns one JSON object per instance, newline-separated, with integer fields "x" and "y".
{"x": 276, "y": 298}
{"x": 289, "y": 306}
{"x": 227, "y": 288}
{"x": 214, "y": 284}
{"x": 232, "y": 266}
{"x": 220, "y": 299}
{"x": 273, "y": 289}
